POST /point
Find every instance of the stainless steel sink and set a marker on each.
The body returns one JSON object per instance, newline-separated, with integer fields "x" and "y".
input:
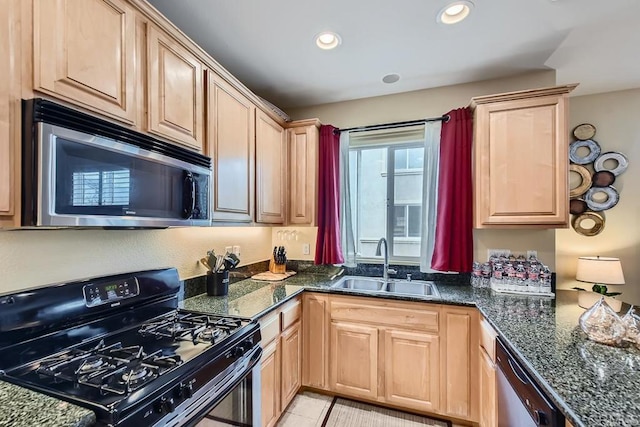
{"x": 425, "y": 289}
{"x": 397, "y": 287}
{"x": 361, "y": 284}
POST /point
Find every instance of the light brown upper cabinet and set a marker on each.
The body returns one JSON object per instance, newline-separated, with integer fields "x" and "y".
{"x": 9, "y": 113}
{"x": 303, "y": 171}
{"x": 84, "y": 52}
{"x": 231, "y": 145}
{"x": 175, "y": 87}
{"x": 271, "y": 158}
{"x": 521, "y": 159}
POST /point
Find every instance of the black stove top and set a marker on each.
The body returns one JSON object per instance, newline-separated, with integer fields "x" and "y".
{"x": 121, "y": 360}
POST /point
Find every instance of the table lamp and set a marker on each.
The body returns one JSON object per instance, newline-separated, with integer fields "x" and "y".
{"x": 600, "y": 271}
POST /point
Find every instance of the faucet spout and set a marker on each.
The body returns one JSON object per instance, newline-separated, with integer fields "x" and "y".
{"x": 385, "y": 268}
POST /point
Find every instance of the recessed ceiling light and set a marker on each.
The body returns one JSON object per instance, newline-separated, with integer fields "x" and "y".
{"x": 455, "y": 12}
{"x": 391, "y": 78}
{"x": 328, "y": 40}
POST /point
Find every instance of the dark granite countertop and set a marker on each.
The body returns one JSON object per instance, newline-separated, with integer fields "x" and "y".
{"x": 592, "y": 384}
{"x": 20, "y": 407}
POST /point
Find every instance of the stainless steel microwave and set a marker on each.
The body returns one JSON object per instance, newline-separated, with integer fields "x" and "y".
{"x": 81, "y": 171}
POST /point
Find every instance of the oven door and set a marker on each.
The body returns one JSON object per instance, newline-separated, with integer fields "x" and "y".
{"x": 232, "y": 402}
{"x": 236, "y": 409}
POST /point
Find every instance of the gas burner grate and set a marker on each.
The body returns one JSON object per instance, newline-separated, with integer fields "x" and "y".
{"x": 199, "y": 328}
{"x": 112, "y": 368}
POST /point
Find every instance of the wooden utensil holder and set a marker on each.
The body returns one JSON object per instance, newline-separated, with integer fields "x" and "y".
{"x": 277, "y": 268}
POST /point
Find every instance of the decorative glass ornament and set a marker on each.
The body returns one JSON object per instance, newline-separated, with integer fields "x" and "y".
{"x": 602, "y": 324}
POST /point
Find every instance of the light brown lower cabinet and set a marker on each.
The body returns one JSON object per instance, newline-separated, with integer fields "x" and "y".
{"x": 354, "y": 359}
{"x": 411, "y": 369}
{"x": 410, "y": 355}
{"x": 281, "y": 364}
{"x": 291, "y": 345}
{"x": 270, "y": 389}
{"x": 315, "y": 340}
{"x": 488, "y": 392}
{"x": 459, "y": 332}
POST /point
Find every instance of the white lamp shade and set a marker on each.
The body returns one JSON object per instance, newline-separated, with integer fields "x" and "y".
{"x": 606, "y": 271}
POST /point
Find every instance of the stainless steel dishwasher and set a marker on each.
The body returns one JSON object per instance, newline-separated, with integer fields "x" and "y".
{"x": 521, "y": 402}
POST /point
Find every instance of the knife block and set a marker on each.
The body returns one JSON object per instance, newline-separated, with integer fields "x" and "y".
{"x": 277, "y": 268}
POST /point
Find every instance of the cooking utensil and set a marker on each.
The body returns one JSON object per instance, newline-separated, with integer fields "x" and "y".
{"x": 219, "y": 261}
{"x": 212, "y": 258}
{"x": 204, "y": 262}
{"x": 231, "y": 261}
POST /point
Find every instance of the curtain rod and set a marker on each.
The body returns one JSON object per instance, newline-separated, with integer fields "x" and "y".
{"x": 444, "y": 118}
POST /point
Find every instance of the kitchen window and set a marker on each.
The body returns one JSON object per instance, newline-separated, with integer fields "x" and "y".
{"x": 385, "y": 178}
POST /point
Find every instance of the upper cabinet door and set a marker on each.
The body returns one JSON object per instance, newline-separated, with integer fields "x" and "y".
{"x": 303, "y": 169}
{"x": 10, "y": 113}
{"x": 271, "y": 158}
{"x": 175, "y": 91}
{"x": 231, "y": 144}
{"x": 84, "y": 52}
{"x": 521, "y": 159}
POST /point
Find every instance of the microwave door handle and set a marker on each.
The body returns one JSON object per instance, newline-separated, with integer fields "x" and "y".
{"x": 188, "y": 195}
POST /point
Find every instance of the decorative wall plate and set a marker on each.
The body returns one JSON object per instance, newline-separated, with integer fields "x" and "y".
{"x": 577, "y": 206}
{"x": 612, "y": 198}
{"x": 584, "y": 131}
{"x": 602, "y": 179}
{"x": 597, "y": 227}
{"x": 585, "y": 184}
{"x": 623, "y": 163}
{"x": 594, "y": 151}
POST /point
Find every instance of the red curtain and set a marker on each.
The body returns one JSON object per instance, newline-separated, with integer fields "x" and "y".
{"x": 453, "y": 249}
{"x": 328, "y": 246}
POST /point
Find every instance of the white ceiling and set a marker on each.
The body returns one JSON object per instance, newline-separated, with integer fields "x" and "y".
{"x": 269, "y": 45}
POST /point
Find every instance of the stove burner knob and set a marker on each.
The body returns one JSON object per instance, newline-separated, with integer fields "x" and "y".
{"x": 186, "y": 390}
{"x": 165, "y": 405}
{"x": 242, "y": 348}
{"x": 169, "y": 405}
{"x": 159, "y": 405}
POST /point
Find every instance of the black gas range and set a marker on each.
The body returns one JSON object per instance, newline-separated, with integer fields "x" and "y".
{"x": 120, "y": 347}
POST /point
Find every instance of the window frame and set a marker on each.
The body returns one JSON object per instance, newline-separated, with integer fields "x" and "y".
{"x": 390, "y": 173}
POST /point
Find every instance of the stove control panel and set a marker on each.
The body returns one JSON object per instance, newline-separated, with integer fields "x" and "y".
{"x": 96, "y": 294}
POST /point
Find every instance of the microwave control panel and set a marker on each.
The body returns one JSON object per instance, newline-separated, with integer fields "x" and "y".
{"x": 96, "y": 294}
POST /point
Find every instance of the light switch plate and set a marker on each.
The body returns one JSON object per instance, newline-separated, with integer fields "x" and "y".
{"x": 236, "y": 250}
{"x": 306, "y": 249}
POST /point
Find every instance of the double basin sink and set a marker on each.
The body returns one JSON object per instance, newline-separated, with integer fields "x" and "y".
{"x": 377, "y": 285}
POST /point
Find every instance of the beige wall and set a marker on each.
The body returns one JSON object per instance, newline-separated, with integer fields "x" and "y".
{"x": 304, "y": 235}
{"x": 31, "y": 258}
{"x": 616, "y": 116}
{"x": 435, "y": 102}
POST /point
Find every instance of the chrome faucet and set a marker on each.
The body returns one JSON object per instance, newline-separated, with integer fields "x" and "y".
{"x": 385, "y": 269}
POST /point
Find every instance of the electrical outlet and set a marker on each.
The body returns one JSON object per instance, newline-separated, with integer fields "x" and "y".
{"x": 236, "y": 250}
{"x": 306, "y": 249}
{"x": 491, "y": 252}
{"x": 532, "y": 254}
{"x": 228, "y": 249}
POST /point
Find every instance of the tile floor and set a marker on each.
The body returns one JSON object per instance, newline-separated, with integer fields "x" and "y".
{"x": 308, "y": 409}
